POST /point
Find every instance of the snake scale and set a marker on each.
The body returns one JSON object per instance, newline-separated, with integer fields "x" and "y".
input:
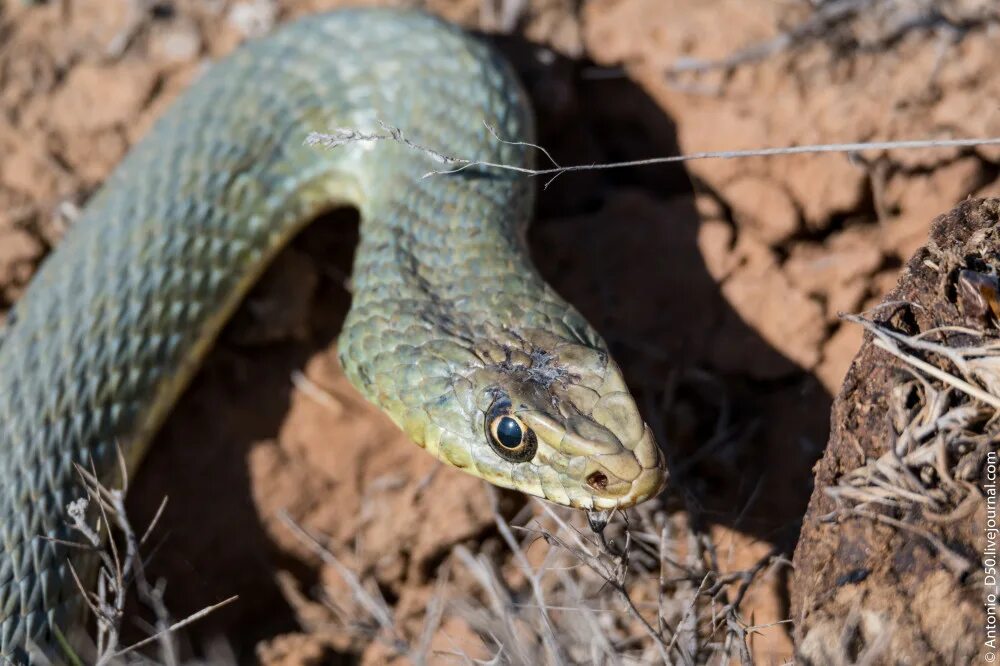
{"x": 451, "y": 330}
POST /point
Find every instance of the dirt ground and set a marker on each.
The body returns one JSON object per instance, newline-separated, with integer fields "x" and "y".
{"x": 718, "y": 285}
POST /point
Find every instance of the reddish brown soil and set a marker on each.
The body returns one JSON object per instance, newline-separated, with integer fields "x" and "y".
{"x": 718, "y": 285}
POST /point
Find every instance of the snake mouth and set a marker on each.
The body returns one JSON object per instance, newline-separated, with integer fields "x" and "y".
{"x": 622, "y": 486}
{"x": 598, "y": 471}
{"x": 648, "y": 484}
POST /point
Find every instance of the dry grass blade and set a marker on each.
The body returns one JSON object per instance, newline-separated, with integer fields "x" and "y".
{"x": 375, "y": 607}
{"x": 343, "y": 136}
{"x": 892, "y": 342}
{"x": 97, "y": 517}
{"x": 194, "y": 617}
{"x": 548, "y": 634}
{"x": 945, "y": 421}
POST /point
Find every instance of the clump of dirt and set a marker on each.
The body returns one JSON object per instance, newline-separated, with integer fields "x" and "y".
{"x": 889, "y": 558}
{"x": 718, "y": 286}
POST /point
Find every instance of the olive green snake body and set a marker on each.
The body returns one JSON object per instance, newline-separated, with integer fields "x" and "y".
{"x": 451, "y": 330}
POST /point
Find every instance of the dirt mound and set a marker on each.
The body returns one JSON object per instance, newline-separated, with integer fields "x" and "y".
{"x": 889, "y": 558}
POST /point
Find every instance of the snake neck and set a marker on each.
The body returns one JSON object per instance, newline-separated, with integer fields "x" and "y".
{"x": 439, "y": 265}
{"x": 444, "y": 294}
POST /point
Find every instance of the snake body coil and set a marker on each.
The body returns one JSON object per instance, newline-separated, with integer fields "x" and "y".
{"x": 451, "y": 330}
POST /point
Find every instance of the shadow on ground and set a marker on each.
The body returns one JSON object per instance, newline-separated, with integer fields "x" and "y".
{"x": 623, "y": 246}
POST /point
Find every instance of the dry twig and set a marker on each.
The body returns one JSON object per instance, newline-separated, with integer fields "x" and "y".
{"x": 119, "y": 571}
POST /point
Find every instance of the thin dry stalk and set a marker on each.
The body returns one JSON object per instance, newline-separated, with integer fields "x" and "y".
{"x": 343, "y": 136}
{"x": 119, "y": 571}
{"x": 945, "y": 419}
{"x": 375, "y": 606}
{"x": 938, "y": 439}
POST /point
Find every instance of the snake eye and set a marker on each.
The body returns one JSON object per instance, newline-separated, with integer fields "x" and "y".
{"x": 508, "y": 435}
{"x": 507, "y": 431}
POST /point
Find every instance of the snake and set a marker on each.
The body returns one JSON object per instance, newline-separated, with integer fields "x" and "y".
{"x": 451, "y": 331}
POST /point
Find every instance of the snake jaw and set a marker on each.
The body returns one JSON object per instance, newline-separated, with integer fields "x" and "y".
{"x": 585, "y": 444}
{"x": 601, "y": 470}
{"x": 652, "y": 478}
{"x": 645, "y": 470}
{"x": 590, "y": 447}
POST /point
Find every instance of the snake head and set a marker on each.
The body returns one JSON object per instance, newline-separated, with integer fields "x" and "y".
{"x": 543, "y": 415}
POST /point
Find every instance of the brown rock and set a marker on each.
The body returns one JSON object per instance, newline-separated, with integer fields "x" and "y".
{"x": 292, "y": 650}
{"x": 821, "y": 184}
{"x": 715, "y": 240}
{"x": 179, "y": 42}
{"x": 93, "y": 158}
{"x": 29, "y": 169}
{"x": 846, "y": 298}
{"x": 844, "y": 258}
{"x": 918, "y": 197}
{"x": 19, "y": 255}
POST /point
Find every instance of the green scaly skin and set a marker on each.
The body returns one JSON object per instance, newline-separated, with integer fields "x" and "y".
{"x": 450, "y": 326}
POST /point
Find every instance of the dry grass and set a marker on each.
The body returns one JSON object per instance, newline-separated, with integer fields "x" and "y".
{"x": 646, "y": 588}
{"x": 649, "y": 591}
{"x": 856, "y": 26}
{"x": 944, "y": 419}
{"x": 100, "y": 520}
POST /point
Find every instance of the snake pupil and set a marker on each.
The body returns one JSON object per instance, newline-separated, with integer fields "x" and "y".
{"x": 509, "y": 433}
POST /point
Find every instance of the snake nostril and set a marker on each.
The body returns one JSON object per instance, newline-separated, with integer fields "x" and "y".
{"x": 598, "y": 480}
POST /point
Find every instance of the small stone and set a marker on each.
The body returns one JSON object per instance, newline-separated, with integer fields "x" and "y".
{"x": 715, "y": 240}
{"x": 253, "y": 18}
{"x": 177, "y": 43}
